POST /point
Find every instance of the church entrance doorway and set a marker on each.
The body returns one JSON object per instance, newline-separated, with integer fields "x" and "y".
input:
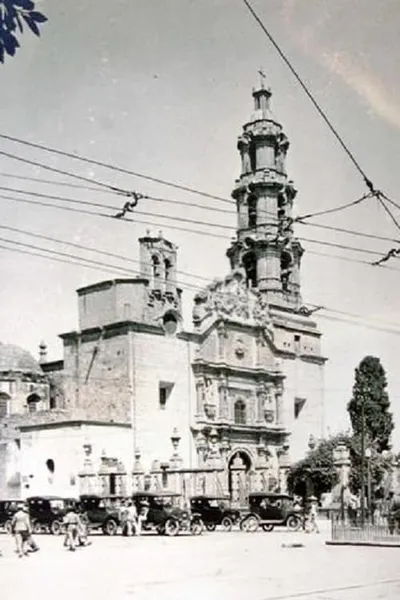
{"x": 239, "y": 467}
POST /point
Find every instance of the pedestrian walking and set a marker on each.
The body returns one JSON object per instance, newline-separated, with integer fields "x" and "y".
{"x": 73, "y": 525}
{"x": 130, "y": 519}
{"x": 21, "y": 528}
{"x": 142, "y": 517}
{"x": 312, "y": 515}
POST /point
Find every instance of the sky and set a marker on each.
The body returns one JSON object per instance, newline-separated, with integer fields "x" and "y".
{"x": 163, "y": 88}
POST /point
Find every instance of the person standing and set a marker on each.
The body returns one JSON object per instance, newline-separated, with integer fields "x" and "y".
{"x": 72, "y": 523}
{"x": 130, "y": 515}
{"x": 312, "y": 515}
{"x": 22, "y": 531}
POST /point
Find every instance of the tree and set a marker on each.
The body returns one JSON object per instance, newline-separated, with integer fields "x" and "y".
{"x": 369, "y": 392}
{"x": 316, "y": 472}
{"x": 13, "y": 14}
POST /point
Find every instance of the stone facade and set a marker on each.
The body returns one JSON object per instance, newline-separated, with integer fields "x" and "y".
{"x": 226, "y": 403}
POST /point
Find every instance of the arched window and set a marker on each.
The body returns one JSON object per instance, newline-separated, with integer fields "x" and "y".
{"x": 250, "y": 266}
{"x": 32, "y": 402}
{"x": 252, "y": 211}
{"x": 156, "y": 273}
{"x": 240, "y": 412}
{"x": 168, "y": 268}
{"x": 286, "y": 269}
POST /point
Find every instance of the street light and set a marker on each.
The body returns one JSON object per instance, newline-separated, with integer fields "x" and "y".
{"x": 368, "y": 456}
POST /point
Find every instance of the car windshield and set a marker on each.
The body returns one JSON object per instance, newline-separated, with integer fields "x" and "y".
{"x": 57, "y": 504}
{"x": 165, "y": 501}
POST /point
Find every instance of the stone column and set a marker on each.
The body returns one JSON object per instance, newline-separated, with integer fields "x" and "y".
{"x": 279, "y": 404}
{"x": 269, "y": 269}
{"x": 223, "y": 401}
{"x": 221, "y": 331}
{"x": 200, "y": 397}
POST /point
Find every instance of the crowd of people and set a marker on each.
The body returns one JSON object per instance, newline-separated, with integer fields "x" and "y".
{"x": 75, "y": 527}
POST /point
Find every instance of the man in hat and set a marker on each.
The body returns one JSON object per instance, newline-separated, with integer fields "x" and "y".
{"x": 312, "y": 515}
{"x": 22, "y": 531}
{"x": 73, "y": 526}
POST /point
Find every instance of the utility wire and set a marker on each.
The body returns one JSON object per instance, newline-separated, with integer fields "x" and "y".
{"x": 51, "y": 182}
{"x": 99, "y": 266}
{"x": 351, "y": 232}
{"x": 118, "y": 190}
{"x": 112, "y": 167}
{"x": 114, "y": 208}
{"x": 91, "y": 249}
{"x": 321, "y": 112}
{"x": 177, "y": 227}
{"x": 387, "y": 209}
{"x": 337, "y": 209}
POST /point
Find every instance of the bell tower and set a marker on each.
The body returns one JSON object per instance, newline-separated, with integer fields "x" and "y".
{"x": 265, "y": 248}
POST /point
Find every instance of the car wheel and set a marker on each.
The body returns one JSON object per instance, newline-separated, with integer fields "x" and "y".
{"x": 110, "y": 527}
{"x": 227, "y": 524}
{"x": 55, "y": 527}
{"x": 210, "y": 526}
{"x": 267, "y": 527}
{"x": 171, "y": 527}
{"x": 7, "y": 526}
{"x": 197, "y": 527}
{"x": 250, "y": 524}
{"x": 293, "y": 523}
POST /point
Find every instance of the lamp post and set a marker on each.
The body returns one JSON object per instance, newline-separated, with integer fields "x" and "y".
{"x": 368, "y": 456}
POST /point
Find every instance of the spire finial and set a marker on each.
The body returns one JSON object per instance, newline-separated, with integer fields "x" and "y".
{"x": 261, "y": 72}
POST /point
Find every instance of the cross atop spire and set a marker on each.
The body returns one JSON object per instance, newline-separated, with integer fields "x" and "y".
{"x": 262, "y": 77}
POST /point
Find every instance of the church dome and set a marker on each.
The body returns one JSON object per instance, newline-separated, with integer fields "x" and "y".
{"x": 14, "y": 358}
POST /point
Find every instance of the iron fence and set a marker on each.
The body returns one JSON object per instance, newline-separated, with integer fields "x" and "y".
{"x": 383, "y": 531}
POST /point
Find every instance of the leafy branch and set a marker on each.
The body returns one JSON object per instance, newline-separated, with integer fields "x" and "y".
{"x": 14, "y": 14}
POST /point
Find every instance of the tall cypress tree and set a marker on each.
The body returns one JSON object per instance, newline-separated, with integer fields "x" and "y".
{"x": 370, "y": 389}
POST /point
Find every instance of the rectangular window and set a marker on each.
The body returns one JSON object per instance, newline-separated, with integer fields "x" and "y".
{"x": 298, "y": 406}
{"x": 164, "y": 392}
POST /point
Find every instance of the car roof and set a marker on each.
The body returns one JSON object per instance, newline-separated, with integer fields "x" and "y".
{"x": 209, "y": 497}
{"x": 45, "y": 498}
{"x": 268, "y": 495}
{"x": 158, "y": 494}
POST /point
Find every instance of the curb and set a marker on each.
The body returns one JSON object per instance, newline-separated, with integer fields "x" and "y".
{"x": 373, "y": 544}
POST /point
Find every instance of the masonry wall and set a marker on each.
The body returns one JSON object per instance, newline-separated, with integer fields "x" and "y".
{"x": 304, "y": 380}
{"x": 64, "y": 444}
{"x": 165, "y": 360}
{"x": 96, "y": 377}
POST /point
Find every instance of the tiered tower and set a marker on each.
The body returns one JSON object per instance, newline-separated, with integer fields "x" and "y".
{"x": 265, "y": 246}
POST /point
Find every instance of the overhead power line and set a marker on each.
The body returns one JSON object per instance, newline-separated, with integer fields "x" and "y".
{"x": 333, "y": 210}
{"x": 118, "y": 190}
{"x": 105, "y": 267}
{"x": 179, "y": 228}
{"x": 115, "y": 168}
{"x": 317, "y": 106}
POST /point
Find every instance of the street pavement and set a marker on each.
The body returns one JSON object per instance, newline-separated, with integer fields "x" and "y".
{"x": 237, "y": 566}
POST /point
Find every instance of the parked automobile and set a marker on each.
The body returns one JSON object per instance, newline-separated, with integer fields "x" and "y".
{"x": 214, "y": 510}
{"x": 269, "y": 510}
{"x": 163, "y": 514}
{"x": 47, "y": 512}
{"x": 7, "y": 510}
{"x": 101, "y": 512}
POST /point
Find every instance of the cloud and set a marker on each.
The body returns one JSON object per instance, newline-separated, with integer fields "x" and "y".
{"x": 358, "y": 77}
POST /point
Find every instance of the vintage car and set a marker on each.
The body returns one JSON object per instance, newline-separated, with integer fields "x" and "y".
{"x": 47, "y": 512}
{"x": 269, "y": 510}
{"x": 214, "y": 510}
{"x": 160, "y": 511}
{"x": 7, "y": 510}
{"x": 101, "y": 512}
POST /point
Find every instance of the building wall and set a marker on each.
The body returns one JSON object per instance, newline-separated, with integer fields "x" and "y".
{"x": 19, "y": 388}
{"x": 64, "y": 444}
{"x": 162, "y": 359}
{"x": 96, "y": 377}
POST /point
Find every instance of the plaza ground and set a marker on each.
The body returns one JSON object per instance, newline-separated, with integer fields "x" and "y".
{"x": 234, "y": 566}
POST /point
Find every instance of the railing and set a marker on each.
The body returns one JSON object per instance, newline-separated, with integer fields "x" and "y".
{"x": 383, "y": 531}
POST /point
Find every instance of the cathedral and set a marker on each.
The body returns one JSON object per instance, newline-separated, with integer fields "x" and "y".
{"x": 228, "y": 400}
